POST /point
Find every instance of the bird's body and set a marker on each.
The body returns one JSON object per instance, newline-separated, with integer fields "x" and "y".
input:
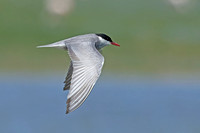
{"x": 85, "y": 67}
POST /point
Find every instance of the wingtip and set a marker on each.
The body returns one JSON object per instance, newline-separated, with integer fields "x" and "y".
{"x": 68, "y": 101}
{"x": 67, "y": 112}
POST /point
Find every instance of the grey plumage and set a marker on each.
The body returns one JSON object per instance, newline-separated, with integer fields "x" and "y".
{"x": 69, "y": 77}
{"x": 85, "y": 66}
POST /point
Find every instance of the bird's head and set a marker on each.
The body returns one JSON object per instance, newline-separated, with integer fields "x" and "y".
{"x": 106, "y": 40}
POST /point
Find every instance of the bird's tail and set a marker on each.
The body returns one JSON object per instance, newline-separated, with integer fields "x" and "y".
{"x": 60, "y": 44}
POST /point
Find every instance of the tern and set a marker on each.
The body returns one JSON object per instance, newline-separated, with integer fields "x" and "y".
{"x": 85, "y": 66}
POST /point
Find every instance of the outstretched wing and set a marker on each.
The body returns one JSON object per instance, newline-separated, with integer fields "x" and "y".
{"x": 84, "y": 70}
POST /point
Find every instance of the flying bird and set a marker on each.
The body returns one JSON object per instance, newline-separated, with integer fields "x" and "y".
{"x": 85, "y": 67}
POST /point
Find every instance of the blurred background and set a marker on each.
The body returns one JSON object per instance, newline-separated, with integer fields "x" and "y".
{"x": 149, "y": 84}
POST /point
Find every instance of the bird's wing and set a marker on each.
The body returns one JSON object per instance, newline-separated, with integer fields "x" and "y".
{"x": 84, "y": 70}
{"x": 69, "y": 77}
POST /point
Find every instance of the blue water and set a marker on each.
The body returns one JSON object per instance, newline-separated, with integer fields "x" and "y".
{"x": 36, "y": 104}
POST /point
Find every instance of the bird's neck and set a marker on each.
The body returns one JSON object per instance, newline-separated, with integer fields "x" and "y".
{"x": 99, "y": 45}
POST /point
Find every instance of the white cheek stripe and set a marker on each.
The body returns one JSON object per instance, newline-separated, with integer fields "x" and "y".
{"x": 103, "y": 40}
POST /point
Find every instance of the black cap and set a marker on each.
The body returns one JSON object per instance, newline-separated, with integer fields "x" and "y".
{"x": 104, "y": 36}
